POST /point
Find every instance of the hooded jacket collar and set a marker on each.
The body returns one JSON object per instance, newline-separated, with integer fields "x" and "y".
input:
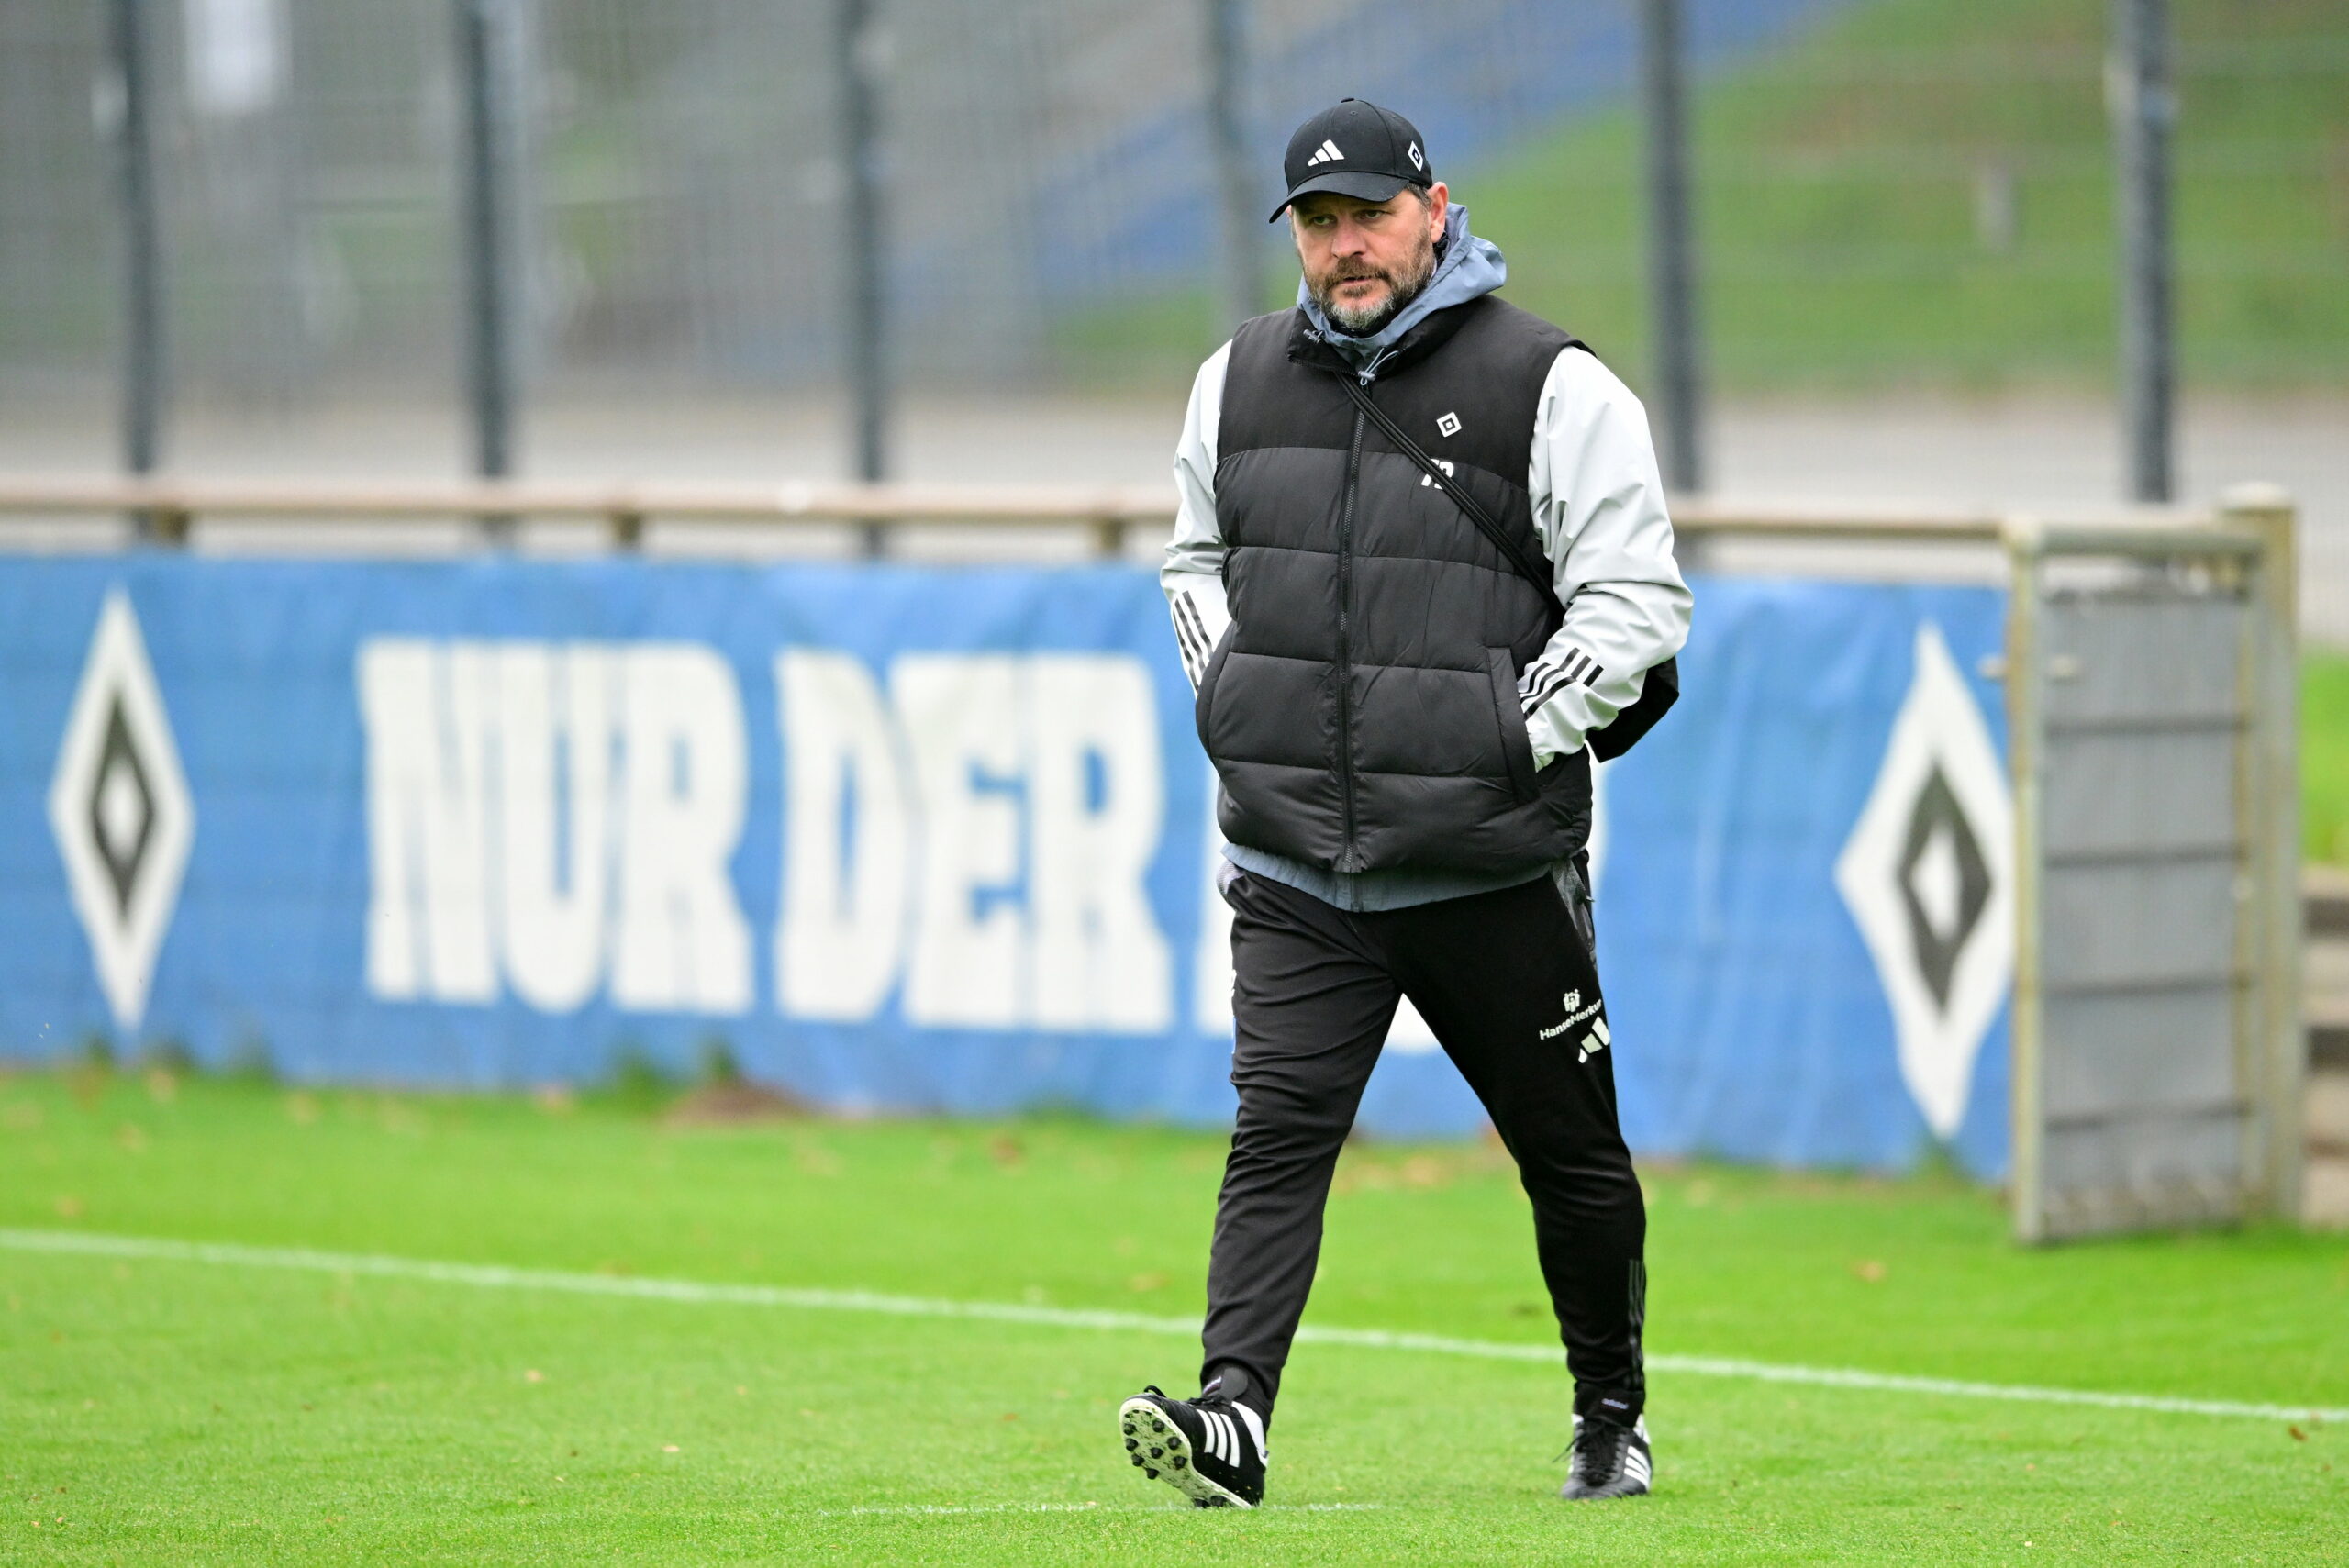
{"x": 1468, "y": 268}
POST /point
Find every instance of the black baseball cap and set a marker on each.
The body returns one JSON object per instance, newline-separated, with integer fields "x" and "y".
{"x": 1355, "y": 148}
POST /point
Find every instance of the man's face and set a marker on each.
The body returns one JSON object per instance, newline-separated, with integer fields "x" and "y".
{"x": 1364, "y": 261}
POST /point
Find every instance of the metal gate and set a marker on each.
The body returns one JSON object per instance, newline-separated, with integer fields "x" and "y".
{"x": 2156, "y": 1055}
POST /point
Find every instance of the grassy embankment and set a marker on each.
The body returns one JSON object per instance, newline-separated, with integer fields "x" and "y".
{"x": 1841, "y": 182}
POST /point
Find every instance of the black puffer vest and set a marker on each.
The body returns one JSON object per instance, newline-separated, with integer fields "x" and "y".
{"x": 1363, "y": 710}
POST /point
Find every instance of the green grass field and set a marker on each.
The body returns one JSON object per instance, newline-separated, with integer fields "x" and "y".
{"x": 1839, "y": 184}
{"x": 173, "y": 1410}
{"x": 2324, "y": 757}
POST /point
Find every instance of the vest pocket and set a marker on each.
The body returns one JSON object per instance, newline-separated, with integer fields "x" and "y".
{"x": 1517, "y": 748}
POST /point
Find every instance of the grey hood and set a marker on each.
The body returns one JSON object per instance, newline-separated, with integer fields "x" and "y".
{"x": 1466, "y": 268}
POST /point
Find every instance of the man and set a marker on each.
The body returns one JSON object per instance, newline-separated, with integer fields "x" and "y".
{"x": 1402, "y": 697}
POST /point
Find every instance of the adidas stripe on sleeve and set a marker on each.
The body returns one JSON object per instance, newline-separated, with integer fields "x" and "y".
{"x": 1550, "y": 674}
{"x": 1598, "y": 508}
{"x": 1193, "y": 575}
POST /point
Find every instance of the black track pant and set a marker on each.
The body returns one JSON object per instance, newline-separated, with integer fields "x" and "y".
{"x": 1508, "y": 985}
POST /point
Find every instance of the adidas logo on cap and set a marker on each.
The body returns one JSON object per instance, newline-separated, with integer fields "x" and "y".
{"x": 1355, "y": 150}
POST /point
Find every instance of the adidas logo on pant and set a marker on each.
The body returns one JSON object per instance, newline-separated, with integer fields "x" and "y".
{"x": 1596, "y": 1040}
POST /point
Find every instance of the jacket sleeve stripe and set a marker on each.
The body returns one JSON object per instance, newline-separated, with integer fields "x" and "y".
{"x": 1198, "y": 631}
{"x": 1580, "y": 669}
{"x": 1191, "y": 631}
{"x": 1553, "y": 684}
{"x": 1183, "y": 644}
{"x": 1538, "y": 675}
{"x": 1547, "y": 689}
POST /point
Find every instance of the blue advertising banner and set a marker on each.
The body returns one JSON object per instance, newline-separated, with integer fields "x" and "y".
{"x": 905, "y": 839}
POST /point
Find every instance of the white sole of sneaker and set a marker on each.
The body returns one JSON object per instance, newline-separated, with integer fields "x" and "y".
{"x": 1159, "y": 1450}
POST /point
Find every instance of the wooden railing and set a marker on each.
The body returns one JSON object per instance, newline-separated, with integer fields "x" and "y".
{"x": 167, "y": 508}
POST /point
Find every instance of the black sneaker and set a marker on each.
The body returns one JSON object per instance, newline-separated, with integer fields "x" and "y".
{"x": 1608, "y": 1459}
{"x": 1211, "y": 1450}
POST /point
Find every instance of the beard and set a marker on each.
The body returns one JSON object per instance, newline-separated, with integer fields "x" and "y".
{"x": 1362, "y": 320}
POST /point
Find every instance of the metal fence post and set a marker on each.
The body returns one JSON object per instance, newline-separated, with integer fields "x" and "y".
{"x": 1672, "y": 263}
{"x": 2026, "y": 695}
{"x": 860, "y": 45}
{"x": 1243, "y": 231}
{"x": 483, "y": 53}
{"x": 143, "y": 345}
{"x": 2270, "y": 807}
{"x": 2144, "y": 109}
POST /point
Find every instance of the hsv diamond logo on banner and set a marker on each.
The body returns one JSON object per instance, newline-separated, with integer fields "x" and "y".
{"x": 121, "y": 812}
{"x": 1927, "y": 875}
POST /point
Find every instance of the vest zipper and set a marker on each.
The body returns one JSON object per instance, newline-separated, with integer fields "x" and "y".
{"x": 1347, "y": 857}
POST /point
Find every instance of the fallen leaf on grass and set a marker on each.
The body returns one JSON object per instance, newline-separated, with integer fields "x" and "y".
{"x": 1869, "y": 1270}
{"x": 69, "y": 1207}
{"x": 534, "y": 1376}
{"x": 1152, "y": 1281}
{"x": 815, "y": 1159}
{"x": 400, "y": 1118}
{"x": 87, "y": 1085}
{"x": 736, "y": 1102}
{"x": 2298, "y": 1436}
{"x": 1424, "y": 1171}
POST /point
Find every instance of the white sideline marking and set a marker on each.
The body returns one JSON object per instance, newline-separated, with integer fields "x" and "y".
{"x": 927, "y": 1509}
{"x": 490, "y": 1276}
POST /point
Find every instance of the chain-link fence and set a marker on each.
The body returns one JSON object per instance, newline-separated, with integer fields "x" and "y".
{"x": 1915, "y": 196}
{"x": 1888, "y": 189}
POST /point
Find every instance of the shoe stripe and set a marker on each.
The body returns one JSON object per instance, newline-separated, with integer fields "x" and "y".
{"x": 1255, "y": 1425}
{"x": 1215, "y": 1438}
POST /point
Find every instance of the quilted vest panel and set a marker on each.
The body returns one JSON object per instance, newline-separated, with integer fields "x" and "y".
{"x": 1362, "y": 711}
